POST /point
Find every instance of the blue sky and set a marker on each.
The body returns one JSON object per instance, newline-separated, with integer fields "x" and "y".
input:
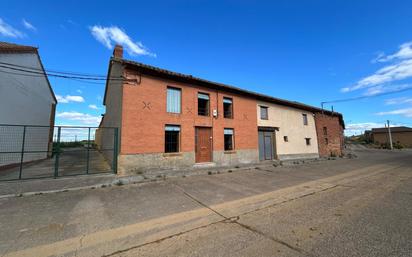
{"x": 307, "y": 51}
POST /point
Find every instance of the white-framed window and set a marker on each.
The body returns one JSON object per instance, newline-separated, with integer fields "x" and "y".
{"x": 203, "y": 103}
{"x": 174, "y": 100}
{"x": 172, "y": 138}
{"x": 228, "y": 139}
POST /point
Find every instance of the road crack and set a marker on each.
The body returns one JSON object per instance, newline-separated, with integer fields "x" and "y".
{"x": 232, "y": 219}
{"x": 198, "y": 201}
{"x": 276, "y": 240}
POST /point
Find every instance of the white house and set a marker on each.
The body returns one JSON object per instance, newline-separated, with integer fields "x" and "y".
{"x": 26, "y": 98}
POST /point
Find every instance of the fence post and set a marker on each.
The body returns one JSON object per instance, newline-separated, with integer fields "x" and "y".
{"x": 56, "y": 163}
{"x": 88, "y": 153}
{"x": 115, "y": 149}
{"x": 22, "y": 152}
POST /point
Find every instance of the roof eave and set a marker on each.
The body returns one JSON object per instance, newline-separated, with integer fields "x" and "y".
{"x": 150, "y": 70}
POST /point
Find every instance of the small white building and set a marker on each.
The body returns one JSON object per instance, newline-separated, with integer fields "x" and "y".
{"x": 26, "y": 98}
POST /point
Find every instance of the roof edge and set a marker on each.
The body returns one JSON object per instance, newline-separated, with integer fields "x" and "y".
{"x": 148, "y": 69}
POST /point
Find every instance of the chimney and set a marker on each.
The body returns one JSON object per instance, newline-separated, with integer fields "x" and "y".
{"x": 118, "y": 52}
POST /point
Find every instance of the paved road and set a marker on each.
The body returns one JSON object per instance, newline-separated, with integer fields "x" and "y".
{"x": 346, "y": 207}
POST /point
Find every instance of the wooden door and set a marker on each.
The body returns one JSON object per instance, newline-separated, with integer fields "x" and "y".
{"x": 203, "y": 144}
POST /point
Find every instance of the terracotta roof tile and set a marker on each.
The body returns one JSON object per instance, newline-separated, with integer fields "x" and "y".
{"x": 14, "y": 48}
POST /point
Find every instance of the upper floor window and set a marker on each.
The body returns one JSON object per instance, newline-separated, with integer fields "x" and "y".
{"x": 203, "y": 104}
{"x": 305, "y": 119}
{"x": 228, "y": 139}
{"x": 174, "y": 100}
{"x": 227, "y": 107}
{"x": 325, "y": 131}
{"x": 172, "y": 138}
{"x": 264, "y": 113}
{"x": 307, "y": 141}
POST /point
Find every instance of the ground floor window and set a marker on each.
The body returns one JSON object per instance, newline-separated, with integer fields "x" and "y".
{"x": 307, "y": 141}
{"x": 172, "y": 138}
{"x": 228, "y": 137}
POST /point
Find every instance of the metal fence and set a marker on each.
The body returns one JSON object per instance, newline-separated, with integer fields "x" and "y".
{"x": 29, "y": 151}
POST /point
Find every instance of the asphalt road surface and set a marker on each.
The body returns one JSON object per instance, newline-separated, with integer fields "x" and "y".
{"x": 345, "y": 207}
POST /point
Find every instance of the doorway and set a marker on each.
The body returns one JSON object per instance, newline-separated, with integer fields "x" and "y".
{"x": 267, "y": 149}
{"x": 203, "y": 144}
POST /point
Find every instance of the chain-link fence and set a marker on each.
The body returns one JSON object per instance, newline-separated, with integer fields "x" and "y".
{"x": 28, "y": 151}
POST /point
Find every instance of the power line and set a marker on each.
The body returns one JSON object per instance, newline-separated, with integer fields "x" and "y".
{"x": 364, "y": 97}
{"x": 66, "y": 75}
{"x": 53, "y": 71}
{"x": 41, "y": 76}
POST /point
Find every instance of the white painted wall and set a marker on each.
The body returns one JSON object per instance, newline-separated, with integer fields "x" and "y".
{"x": 290, "y": 123}
{"x": 24, "y": 100}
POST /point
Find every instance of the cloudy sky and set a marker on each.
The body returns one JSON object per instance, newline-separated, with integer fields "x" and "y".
{"x": 307, "y": 51}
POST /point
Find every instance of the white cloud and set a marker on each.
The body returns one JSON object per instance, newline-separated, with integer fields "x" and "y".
{"x": 399, "y": 100}
{"x": 405, "y": 52}
{"x": 407, "y": 112}
{"x": 8, "y": 31}
{"x": 114, "y": 35}
{"x": 94, "y": 107}
{"x": 399, "y": 69}
{"x": 382, "y": 89}
{"x": 69, "y": 98}
{"x": 28, "y": 25}
{"x": 83, "y": 118}
{"x": 359, "y": 128}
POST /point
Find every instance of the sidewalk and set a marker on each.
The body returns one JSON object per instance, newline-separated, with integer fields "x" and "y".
{"x": 63, "y": 184}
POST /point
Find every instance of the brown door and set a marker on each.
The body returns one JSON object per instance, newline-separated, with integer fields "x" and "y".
{"x": 203, "y": 144}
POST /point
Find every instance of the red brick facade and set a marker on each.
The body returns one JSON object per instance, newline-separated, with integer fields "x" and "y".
{"x": 329, "y": 130}
{"x": 144, "y": 116}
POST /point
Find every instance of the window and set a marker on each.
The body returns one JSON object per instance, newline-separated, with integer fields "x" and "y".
{"x": 286, "y": 139}
{"x": 172, "y": 138}
{"x": 203, "y": 104}
{"x": 174, "y": 99}
{"x": 326, "y": 140}
{"x": 228, "y": 137}
{"x": 263, "y": 113}
{"x": 227, "y": 107}
{"x": 307, "y": 141}
{"x": 305, "y": 119}
{"x": 325, "y": 131}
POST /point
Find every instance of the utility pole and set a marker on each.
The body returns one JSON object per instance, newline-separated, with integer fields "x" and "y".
{"x": 390, "y": 135}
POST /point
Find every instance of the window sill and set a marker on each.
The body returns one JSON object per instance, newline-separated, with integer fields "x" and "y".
{"x": 172, "y": 154}
{"x": 230, "y": 152}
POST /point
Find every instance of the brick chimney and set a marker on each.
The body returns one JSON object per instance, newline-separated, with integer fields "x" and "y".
{"x": 118, "y": 52}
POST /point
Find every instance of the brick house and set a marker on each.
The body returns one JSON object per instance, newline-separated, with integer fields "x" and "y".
{"x": 329, "y": 129}
{"x": 170, "y": 120}
{"x": 400, "y": 135}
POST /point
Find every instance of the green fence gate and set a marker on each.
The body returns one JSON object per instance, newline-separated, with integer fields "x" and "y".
{"x": 30, "y": 151}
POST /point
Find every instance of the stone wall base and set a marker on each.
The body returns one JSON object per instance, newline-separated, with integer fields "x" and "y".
{"x": 141, "y": 163}
{"x": 283, "y": 157}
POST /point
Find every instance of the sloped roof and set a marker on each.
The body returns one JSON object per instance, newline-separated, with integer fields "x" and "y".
{"x": 14, "y": 48}
{"x": 393, "y": 129}
{"x": 6, "y": 47}
{"x": 155, "y": 71}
